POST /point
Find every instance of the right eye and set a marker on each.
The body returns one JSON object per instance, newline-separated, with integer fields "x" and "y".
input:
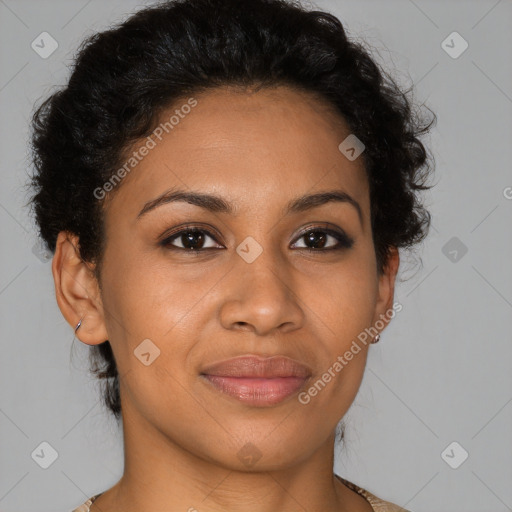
{"x": 190, "y": 239}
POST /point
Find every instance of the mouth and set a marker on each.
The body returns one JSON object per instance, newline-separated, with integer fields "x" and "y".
{"x": 257, "y": 381}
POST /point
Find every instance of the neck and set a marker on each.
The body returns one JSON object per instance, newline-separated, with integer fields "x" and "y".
{"x": 161, "y": 475}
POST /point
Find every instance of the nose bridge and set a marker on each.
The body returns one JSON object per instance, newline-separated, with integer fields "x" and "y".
{"x": 262, "y": 293}
{"x": 262, "y": 267}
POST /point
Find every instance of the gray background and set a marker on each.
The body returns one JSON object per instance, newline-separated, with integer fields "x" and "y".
{"x": 441, "y": 372}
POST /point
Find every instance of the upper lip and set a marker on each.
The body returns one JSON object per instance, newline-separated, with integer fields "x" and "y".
{"x": 257, "y": 366}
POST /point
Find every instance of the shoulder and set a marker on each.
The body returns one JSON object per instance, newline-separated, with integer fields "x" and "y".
{"x": 377, "y": 504}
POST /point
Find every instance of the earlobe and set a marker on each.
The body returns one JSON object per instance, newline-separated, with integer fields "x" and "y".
{"x": 77, "y": 291}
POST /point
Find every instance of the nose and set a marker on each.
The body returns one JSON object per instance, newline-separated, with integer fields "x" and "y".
{"x": 261, "y": 296}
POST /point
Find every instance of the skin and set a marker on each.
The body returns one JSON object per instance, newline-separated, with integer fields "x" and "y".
{"x": 258, "y": 150}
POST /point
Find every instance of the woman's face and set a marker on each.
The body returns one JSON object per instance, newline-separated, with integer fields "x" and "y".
{"x": 246, "y": 283}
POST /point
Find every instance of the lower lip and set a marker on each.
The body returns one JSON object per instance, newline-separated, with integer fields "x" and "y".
{"x": 257, "y": 391}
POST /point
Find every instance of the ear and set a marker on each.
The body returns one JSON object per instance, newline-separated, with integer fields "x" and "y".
{"x": 387, "y": 287}
{"x": 77, "y": 291}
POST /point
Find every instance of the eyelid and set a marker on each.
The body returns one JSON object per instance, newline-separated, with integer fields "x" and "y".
{"x": 324, "y": 226}
{"x": 177, "y": 230}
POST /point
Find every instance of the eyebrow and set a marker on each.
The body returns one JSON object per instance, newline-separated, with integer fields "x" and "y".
{"x": 217, "y": 204}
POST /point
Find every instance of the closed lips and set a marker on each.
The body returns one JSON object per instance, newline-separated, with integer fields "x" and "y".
{"x": 257, "y": 366}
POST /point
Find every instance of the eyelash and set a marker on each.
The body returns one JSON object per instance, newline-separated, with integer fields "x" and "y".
{"x": 344, "y": 241}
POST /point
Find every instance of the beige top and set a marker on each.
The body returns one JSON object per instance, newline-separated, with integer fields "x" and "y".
{"x": 377, "y": 504}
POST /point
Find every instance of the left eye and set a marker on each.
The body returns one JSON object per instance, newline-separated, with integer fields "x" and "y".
{"x": 320, "y": 236}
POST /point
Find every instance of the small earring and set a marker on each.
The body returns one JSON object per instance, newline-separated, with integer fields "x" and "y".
{"x": 376, "y": 339}
{"x": 79, "y": 324}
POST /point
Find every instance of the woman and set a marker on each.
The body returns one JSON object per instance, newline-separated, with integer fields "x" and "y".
{"x": 226, "y": 186}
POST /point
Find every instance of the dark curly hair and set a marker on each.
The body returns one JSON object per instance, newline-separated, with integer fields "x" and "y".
{"x": 124, "y": 77}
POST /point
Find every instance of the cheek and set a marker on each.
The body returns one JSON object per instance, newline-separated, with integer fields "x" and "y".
{"x": 343, "y": 311}
{"x": 152, "y": 298}
{"x": 344, "y": 299}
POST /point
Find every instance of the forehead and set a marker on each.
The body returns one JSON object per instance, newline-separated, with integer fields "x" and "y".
{"x": 253, "y": 148}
